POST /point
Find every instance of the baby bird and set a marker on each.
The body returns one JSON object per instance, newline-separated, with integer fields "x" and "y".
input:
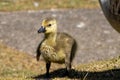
{"x": 55, "y": 47}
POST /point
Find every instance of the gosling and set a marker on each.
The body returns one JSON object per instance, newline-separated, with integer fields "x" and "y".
{"x": 55, "y": 47}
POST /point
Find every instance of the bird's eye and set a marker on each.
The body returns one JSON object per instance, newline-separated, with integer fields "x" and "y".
{"x": 49, "y": 25}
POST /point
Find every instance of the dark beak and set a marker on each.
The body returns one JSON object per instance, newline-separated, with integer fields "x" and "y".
{"x": 41, "y": 30}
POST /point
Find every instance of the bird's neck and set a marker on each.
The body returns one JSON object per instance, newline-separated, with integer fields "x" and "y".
{"x": 51, "y": 38}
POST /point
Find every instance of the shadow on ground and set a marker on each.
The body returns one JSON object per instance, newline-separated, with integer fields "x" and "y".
{"x": 105, "y": 75}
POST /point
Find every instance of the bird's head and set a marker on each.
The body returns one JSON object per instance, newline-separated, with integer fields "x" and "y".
{"x": 49, "y": 25}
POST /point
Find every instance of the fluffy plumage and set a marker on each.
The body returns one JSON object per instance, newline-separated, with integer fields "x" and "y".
{"x": 55, "y": 47}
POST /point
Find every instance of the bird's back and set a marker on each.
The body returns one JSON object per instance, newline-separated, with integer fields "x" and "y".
{"x": 64, "y": 41}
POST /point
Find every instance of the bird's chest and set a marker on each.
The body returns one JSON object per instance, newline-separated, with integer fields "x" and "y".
{"x": 47, "y": 51}
{"x": 50, "y": 54}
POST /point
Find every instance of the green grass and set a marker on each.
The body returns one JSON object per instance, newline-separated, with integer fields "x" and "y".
{"x": 20, "y": 5}
{"x": 20, "y": 66}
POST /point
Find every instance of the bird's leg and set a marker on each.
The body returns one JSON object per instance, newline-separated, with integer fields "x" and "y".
{"x": 48, "y": 64}
{"x": 69, "y": 55}
{"x": 68, "y": 63}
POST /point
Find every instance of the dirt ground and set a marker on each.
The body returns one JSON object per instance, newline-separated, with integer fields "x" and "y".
{"x": 95, "y": 37}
